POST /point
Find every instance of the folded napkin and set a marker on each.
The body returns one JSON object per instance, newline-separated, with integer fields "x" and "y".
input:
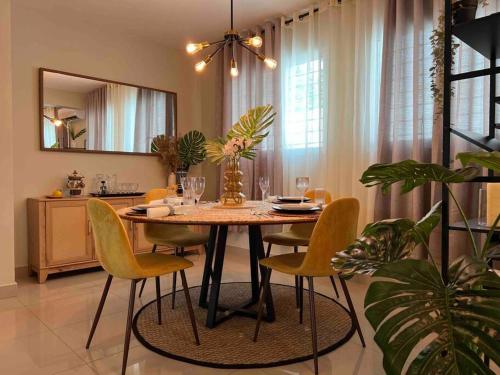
{"x": 184, "y": 209}
{"x": 158, "y": 202}
{"x": 174, "y": 201}
{"x": 161, "y": 211}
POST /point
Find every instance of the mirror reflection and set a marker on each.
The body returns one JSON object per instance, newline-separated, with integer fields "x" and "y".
{"x": 84, "y": 114}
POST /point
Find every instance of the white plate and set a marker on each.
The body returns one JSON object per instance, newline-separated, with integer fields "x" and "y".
{"x": 142, "y": 207}
{"x": 296, "y": 207}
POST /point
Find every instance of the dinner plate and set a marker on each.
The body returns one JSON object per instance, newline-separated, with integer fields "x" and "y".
{"x": 142, "y": 207}
{"x": 296, "y": 207}
{"x": 293, "y": 199}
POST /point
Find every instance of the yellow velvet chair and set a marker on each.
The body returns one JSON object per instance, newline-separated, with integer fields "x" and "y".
{"x": 176, "y": 236}
{"x": 334, "y": 231}
{"x": 297, "y": 235}
{"x": 116, "y": 256}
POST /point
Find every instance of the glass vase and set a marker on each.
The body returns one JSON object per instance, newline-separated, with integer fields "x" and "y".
{"x": 233, "y": 185}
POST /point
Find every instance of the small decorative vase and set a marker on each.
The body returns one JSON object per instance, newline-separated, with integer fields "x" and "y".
{"x": 232, "y": 184}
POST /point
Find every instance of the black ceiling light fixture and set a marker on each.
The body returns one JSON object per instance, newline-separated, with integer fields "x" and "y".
{"x": 232, "y": 39}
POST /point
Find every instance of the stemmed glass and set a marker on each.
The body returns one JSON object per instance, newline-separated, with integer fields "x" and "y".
{"x": 187, "y": 190}
{"x": 302, "y": 183}
{"x": 264, "y": 186}
{"x": 198, "y": 186}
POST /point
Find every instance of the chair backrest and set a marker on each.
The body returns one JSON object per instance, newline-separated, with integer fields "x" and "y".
{"x": 334, "y": 231}
{"x": 312, "y": 194}
{"x": 111, "y": 241}
{"x": 155, "y": 194}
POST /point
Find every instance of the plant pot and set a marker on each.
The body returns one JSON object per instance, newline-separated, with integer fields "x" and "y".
{"x": 464, "y": 11}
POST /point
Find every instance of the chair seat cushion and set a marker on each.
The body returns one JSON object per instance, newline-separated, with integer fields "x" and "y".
{"x": 174, "y": 235}
{"x": 157, "y": 264}
{"x": 287, "y": 239}
{"x": 291, "y": 264}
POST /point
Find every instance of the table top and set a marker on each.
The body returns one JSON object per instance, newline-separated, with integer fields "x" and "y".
{"x": 256, "y": 213}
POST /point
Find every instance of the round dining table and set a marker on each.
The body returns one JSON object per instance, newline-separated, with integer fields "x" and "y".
{"x": 254, "y": 214}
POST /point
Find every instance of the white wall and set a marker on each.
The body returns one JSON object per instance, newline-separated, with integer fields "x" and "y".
{"x": 7, "y": 283}
{"x": 72, "y": 45}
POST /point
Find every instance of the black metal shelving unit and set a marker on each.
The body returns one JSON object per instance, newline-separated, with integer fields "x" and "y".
{"x": 482, "y": 35}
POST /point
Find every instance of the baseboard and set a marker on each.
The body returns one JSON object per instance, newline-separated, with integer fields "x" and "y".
{"x": 22, "y": 271}
{"x": 8, "y": 290}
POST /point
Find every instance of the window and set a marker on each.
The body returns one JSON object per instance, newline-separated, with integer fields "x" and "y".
{"x": 304, "y": 106}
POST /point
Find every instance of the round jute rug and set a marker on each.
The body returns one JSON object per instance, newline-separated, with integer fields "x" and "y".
{"x": 230, "y": 345}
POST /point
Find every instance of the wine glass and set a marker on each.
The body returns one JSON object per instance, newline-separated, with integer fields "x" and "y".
{"x": 187, "y": 190}
{"x": 198, "y": 186}
{"x": 264, "y": 186}
{"x": 302, "y": 183}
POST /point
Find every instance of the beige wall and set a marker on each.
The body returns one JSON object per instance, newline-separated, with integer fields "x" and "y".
{"x": 73, "y": 46}
{"x": 7, "y": 283}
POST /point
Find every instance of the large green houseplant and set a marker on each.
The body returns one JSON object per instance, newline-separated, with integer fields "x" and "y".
{"x": 425, "y": 324}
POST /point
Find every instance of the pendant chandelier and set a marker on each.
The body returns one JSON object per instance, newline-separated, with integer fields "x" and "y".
{"x": 232, "y": 39}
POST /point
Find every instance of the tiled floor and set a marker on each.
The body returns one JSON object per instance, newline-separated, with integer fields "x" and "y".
{"x": 44, "y": 329}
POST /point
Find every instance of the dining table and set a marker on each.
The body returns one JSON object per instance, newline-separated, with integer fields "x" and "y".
{"x": 254, "y": 215}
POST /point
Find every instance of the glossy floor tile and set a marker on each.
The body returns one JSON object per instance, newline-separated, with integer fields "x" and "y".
{"x": 47, "y": 325}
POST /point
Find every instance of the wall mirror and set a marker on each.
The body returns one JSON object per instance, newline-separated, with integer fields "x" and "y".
{"x": 87, "y": 114}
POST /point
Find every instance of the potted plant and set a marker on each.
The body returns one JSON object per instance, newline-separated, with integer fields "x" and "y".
{"x": 423, "y": 322}
{"x": 240, "y": 142}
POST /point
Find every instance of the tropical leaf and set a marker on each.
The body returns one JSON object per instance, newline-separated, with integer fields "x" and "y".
{"x": 490, "y": 160}
{"x": 215, "y": 150}
{"x": 386, "y": 241}
{"x": 253, "y": 124}
{"x": 191, "y": 148}
{"x": 412, "y": 306}
{"x": 166, "y": 147}
{"x": 413, "y": 174}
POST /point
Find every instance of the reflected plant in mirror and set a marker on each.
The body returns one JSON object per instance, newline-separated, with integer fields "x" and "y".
{"x": 86, "y": 114}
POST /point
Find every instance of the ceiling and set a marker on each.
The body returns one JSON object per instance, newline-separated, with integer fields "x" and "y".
{"x": 70, "y": 83}
{"x": 169, "y": 22}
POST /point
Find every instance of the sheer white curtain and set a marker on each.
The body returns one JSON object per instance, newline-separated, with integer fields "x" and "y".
{"x": 120, "y": 117}
{"x": 331, "y": 76}
{"x": 150, "y": 118}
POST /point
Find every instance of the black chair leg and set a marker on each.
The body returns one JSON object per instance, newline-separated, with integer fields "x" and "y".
{"x": 301, "y": 299}
{"x": 352, "y": 310}
{"x": 158, "y": 298}
{"x": 312, "y": 310}
{"x": 268, "y": 252}
{"x": 144, "y": 281}
{"x": 260, "y": 308}
{"x": 128, "y": 329}
{"x": 189, "y": 306}
{"x": 334, "y": 287}
{"x": 99, "y": 310}
{"x": 174, "y": 283}
{"x": 297, "y": 298}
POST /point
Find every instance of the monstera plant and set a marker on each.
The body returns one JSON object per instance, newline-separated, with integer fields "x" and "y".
{"x": 426, "y": 324}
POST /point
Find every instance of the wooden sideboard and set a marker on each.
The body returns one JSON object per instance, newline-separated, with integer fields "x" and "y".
{"x": 60, "y": 235}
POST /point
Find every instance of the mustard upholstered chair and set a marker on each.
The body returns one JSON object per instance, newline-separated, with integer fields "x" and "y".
{"x": 334, "y": 231}
{"x": 117, "y": 258}
{"x": 297, "y": 235}
{"x": 177, "y": 236}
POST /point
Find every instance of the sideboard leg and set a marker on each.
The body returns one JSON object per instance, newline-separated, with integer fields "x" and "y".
{"x": 42, "y": 276}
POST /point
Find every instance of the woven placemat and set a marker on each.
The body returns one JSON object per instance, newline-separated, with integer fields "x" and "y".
{"x": 230, "y": 345}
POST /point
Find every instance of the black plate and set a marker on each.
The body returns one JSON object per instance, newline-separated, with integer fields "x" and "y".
{"x": 293, "y": 200}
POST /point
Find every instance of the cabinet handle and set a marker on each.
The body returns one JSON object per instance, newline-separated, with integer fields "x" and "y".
{"x": 89, "y": 227}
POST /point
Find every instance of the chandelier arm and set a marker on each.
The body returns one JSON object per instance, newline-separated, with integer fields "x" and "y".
{"x": 216, "y": 50}
{"x": 210, "y": 44}
{"x": 232, "y": 23}
{"x": 249, "y": 49}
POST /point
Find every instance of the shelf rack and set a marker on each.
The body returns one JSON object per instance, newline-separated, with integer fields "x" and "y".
{"x": 482, "y": 35}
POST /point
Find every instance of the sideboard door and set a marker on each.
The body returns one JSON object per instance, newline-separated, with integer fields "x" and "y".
{"x": 67, "y": 233}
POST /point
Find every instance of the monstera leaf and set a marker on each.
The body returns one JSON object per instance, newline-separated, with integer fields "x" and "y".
{"x": 215, "y": 150}
{"x": 253, "y": 124}
{"x": 385, "y": 241}
{"x": 490, "y": 160}
{"x": 191, "y": 148}
{"x": 413, "y": 174}
{"x": 455, "y": 324}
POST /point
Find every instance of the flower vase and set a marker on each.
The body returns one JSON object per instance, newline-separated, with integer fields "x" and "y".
{"x": 232, "y": 184}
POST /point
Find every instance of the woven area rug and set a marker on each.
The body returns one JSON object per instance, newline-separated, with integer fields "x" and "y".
{"x": 230, "y": 345}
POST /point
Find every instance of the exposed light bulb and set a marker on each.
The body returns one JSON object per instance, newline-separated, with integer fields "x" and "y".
{"x": 255, "y": 41}
{"x": 200, "y": 66}
{"x": 57, "y": 122}
{"x": 234, "y": 69}
{"x": 271, "y": 63}
{"x": 192, "y": 48}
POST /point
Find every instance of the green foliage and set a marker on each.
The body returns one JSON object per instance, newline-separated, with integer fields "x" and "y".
{"x": 191, "y": 148}
{"x": 386, "y": 241}
{"x": 74, "y": 136}
{"x": 457, "y": 323}
{"x": 251, "y": 126}
{"x": 490, "y": 160}
{"x": 413, "y": 174}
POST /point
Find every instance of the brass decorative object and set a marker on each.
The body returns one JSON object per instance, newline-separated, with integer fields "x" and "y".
{"x": 233, "y": 195}
{"x": 75, "y": 183}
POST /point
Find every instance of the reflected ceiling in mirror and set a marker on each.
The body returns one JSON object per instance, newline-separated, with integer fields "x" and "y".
{"x": 87, "y": 114}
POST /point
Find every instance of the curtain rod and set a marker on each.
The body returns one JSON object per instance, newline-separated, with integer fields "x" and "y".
{"x": 303, "y": 15}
